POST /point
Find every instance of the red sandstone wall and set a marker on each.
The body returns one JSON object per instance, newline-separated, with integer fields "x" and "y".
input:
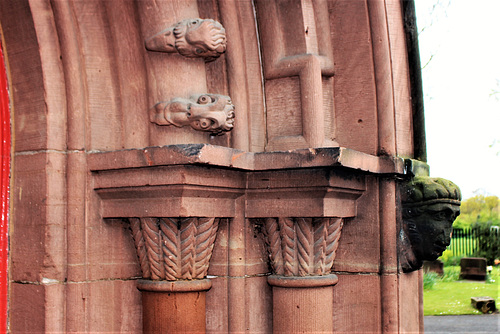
{"x": 82, "y": 81}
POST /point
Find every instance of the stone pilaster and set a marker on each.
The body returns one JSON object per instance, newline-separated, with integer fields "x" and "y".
{"x": 301, "y": 252}
{"x": 174, "y": 254}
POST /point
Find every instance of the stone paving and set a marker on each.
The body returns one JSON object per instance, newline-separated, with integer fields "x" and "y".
{"x": 473, "y": 324}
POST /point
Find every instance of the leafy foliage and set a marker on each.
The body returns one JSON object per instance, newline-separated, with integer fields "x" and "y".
{"x": 430, "y": 279}
{"x": 449, "y": 259}
{"x": 451, "y": 274}
{"x": 479, "y": 209}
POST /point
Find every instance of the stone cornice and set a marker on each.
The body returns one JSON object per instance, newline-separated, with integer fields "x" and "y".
{"x": 205, "y": 154}
{"x": 201, "y": 180}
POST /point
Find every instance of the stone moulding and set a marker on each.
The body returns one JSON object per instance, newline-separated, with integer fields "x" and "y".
{"x": 174, "y": 286}
{"x": 219, "y": 156}
{"x": 192, "y": 38}
{"x": 302, "y": 282}
{"x": 174, "y": 248}
{"x": 287, "y": 53}
{"x": 174, "y": 197}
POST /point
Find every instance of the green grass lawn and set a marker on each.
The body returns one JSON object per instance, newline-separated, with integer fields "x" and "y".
{"x": 447, "y": 297}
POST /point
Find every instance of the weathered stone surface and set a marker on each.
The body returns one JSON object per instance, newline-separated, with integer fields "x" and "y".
{"x": 82, "y": 84}
{"x": 435, "y": 266}
{"x": 430, "y": 206}
{"x": 87, "y": 300}
{"x": 473, "y": 268}
{"x": 38, "y": 247}
{"x": 225, "y": 157}
{"x": 359, "y": 251}
{"x": 203, "y": 112}
{"x": 411, "y": 310}
{"x": 191, "y": 38}
{"x": 483, "y": 304}
{"x": 356, "y": 310}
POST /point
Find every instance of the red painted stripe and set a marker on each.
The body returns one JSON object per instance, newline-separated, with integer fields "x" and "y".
{"x": 4, "y": 191}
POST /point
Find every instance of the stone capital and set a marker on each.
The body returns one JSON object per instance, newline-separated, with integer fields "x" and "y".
{"x": 174, "y": 249}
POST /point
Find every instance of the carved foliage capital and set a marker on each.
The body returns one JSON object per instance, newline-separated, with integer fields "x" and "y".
{"x": 302, "y": 246}
{"x": 174, "y": 248}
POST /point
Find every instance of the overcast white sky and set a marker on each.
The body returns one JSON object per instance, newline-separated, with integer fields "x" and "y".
{"x": 462, "y": 115}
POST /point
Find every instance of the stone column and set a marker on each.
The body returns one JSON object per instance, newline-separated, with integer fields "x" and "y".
{"x": 174, "y": 255}
{"x": 302, "y": 251}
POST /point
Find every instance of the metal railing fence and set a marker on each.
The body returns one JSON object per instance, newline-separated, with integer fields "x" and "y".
{"x": 463, "y": 242}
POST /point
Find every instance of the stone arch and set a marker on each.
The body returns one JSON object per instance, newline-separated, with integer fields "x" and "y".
{"x": 38, "y": 121}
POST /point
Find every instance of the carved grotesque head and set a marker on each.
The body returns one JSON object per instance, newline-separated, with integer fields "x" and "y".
{"x": 206, "y": 112}
{"x": 430, "y": 206}
{"x": 200, "y": 38}
{"x": 191, "y": 38}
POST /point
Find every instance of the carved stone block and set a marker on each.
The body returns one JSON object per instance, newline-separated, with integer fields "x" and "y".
{"x": 205, "y": 112}
{"x": 484, "y": 304}
{"x": 302, "y": 246}
{"x": 191, "y": 38}
{"x": 473, "y": 268}
{"x": 174, "y": 248}
{"x": 430, "y": 206}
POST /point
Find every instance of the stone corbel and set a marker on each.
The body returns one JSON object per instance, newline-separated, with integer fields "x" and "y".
{"x": 205, "y": 112}
{"x": 192, "y": 38}
{"x": 429, "y": 208}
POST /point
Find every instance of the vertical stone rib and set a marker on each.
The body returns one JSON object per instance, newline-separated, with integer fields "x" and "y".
{"x": 151, "y": 234}
{"x": 332, "y": 240}
{"x": 140, "y": 246}
{"x": 320, "y": 235}
{"x": 187, "y": 234}
{"x": 289, "y": 246}
{"x": 305, "y": 246}
{"x": 170, "y": 248}
{"x": 274, "y": 245}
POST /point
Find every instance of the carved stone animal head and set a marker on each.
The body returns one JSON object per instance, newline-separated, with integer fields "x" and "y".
{"x": 191, "y": 38}
{"x": 200, "y": 38}
{"x": 430, "y": 206}
{"x": 205, "y": 112}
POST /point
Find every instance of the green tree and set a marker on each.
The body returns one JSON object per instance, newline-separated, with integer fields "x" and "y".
{"x": 479, "y": 209}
